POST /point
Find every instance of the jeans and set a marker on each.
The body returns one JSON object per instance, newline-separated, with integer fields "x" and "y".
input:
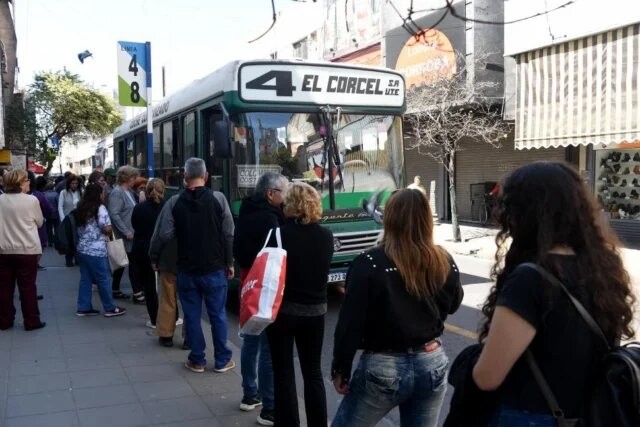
{"x": 416, "y": 382}
{"x": 212, "y": 288}
{"x": 94, "y": 269}
{"x": 509, "y": 417}
{"x": 307, "y": 333}
{"x": 249, "y": 358}
{"x": 22, "y": 269}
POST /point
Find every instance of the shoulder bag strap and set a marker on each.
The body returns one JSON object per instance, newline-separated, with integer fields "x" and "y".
{"x": 545, "y": 389}
{"x": 266, "y": 242}
{"x": 579, "y": 307}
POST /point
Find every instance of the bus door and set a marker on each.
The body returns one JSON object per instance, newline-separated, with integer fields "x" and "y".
{"x": 215, "y": 166}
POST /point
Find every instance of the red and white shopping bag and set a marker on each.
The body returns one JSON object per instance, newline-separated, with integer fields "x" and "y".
{"x": 262, "y": 289}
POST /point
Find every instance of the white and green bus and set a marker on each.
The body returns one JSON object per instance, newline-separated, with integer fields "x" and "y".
{"x": 335, "y": 126}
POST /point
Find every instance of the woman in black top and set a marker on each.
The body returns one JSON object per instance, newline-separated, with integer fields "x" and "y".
{"x": 143, "y": 221}
{"x": 553, "y": 220}
{"x": 397, "y": 298}
{"x": 304, "y": 305}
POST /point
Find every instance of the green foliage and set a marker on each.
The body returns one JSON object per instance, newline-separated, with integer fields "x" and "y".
{"x": 59, "y": 104}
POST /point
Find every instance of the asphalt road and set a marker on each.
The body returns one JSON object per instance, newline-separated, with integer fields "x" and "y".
{"x": 464, "y": 322}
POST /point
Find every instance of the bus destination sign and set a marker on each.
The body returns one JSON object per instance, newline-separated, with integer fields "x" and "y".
{"x": 318, "y": 84}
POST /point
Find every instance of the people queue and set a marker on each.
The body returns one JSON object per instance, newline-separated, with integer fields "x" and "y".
{"x": 398, "y": 294}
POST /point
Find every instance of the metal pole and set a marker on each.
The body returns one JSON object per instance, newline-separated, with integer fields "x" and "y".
{"x": 163, "y": 83}
{"x": 332, "y": 189}
{"x": 149, "y": 112}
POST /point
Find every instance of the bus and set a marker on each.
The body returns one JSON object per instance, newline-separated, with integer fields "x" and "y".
{"x": 335, "y": 126}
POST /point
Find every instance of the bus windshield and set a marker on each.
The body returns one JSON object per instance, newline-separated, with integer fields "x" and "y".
{"x": 367, "y": 151}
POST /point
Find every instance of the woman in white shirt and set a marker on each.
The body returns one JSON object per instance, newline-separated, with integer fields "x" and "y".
{"x": 68, "y": 200}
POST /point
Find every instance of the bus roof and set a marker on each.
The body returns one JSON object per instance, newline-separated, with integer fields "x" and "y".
{"x": 285, "y": 82}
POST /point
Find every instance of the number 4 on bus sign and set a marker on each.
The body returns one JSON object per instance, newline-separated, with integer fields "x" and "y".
{"x": 132, "y": 74}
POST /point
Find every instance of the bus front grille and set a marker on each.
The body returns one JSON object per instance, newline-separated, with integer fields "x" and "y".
{"x": 356, "y": 242}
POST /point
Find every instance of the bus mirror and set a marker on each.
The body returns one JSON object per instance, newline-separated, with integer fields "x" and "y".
{"x": 222, "y": 138}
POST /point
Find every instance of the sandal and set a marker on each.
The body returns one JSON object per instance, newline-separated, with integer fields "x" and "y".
{"x": 120, "y": 295}
{"x": 139, "y": 298}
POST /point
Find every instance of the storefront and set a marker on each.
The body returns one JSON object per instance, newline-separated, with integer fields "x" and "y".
{"x": 586, "y": 93}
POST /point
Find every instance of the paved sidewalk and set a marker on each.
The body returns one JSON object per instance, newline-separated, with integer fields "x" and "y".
{"x": 95, "y": 371}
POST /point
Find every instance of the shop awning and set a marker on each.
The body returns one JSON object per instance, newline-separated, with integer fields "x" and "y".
{"x": 580, "y": 92}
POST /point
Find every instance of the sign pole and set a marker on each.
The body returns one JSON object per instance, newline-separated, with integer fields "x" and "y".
{"x": 150, "y": 159}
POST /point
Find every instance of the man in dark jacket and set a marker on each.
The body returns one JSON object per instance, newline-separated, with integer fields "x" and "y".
{"x": 259, "y": 213}
{"x": 202, "y": 225}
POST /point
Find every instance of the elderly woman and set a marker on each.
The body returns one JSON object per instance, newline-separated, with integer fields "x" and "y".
{"x": 122, "y": 200}
{"x": 20, "y": 250}
{"x": 304, "y": 305}
{"x": 67, "y": 201}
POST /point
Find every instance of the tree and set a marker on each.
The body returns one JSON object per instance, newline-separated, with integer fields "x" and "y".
{"x": 451, "y": 107}
{"x": 59, "y": 106}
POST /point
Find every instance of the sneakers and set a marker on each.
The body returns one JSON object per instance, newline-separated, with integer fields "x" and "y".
{"x": 150, "y": 325}
{"x": 83, "y": 313}
{"x": 250, "y": 403}
{"x": 118, "y": 311}
{"x": 194, "y": 367}
{"x": 138, "y": 298}
{"x": 266, "y": 418}
{"x": 230, "y": 365}
{"x": 179, "y": 321}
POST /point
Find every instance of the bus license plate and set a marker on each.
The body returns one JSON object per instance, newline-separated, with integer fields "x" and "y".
{"x": 337, "y": 277}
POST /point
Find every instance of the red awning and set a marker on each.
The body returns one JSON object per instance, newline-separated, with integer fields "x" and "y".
{"x": 35, "y": 168}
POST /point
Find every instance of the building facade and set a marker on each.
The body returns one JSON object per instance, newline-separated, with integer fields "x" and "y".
{"x": 8, "y": 66}
{"x": 576, "y": 83}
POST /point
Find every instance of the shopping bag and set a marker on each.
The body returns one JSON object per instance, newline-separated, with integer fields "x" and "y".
{"x": 262, "y": 290}
{"x": 117, "y": 254}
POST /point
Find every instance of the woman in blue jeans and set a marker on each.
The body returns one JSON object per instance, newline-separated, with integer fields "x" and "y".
{"x": 91, "y": 252}
{"x": 398, "y": 296}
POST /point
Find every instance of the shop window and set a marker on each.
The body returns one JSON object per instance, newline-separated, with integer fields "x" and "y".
{"x": 617, "y": 184}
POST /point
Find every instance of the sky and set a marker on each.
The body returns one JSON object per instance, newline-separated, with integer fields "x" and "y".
{"x": 191, "y": 38}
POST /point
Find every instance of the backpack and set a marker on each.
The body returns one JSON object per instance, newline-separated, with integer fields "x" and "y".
{"x": 66, "y": 238}
{"x": 615, "y": 397}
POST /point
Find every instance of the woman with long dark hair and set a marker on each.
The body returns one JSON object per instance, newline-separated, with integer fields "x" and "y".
{"x": 398, "y": 296}
{"x": 94, "y": 227}
{"x": 553, "y": 221}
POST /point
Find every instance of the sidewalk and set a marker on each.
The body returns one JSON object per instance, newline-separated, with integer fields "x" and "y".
{"x": 480, "y": 242}
{"x": 95, "y": 371}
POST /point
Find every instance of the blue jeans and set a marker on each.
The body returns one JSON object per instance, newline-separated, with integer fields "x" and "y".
{"x": 416, "y": 382}
{"x": 249, "y": 358}
{"x": 94, "y": 269}
{"x": 509, "y": 417}
{"x": 212, "y": 288}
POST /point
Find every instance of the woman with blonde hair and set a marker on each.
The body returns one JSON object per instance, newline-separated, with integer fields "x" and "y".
{"x": 20, "y": 250}
{"x": 398, "y": 296}
{"x": 121, "y": 202}
{"x": 304, "y": 305}
{"x": 143, "y": 220}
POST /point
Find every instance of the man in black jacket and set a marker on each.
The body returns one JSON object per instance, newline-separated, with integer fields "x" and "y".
{"x": 203, "y": 227}
{"x": 259, "y": 213}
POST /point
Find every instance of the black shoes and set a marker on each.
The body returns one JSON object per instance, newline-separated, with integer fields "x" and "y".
{"x": 636, "y": 157}
{"x": 626, "y": 157}
{"x": 634, "y": 194}
{"x": 120, "y": 295}
{"x": 624, "y": 183}
{"x": 138, "y": 298}
{"x": 626, "y": 171}
{"x": 165, "y": 341}
{"x": 33, "y": 328}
